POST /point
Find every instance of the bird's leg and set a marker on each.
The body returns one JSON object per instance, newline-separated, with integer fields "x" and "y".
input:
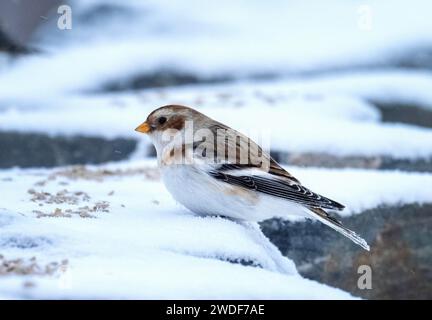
{"x": 282, "y": 264}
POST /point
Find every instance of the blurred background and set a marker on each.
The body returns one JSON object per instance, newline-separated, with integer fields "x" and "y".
{"x": 340, "y": 84}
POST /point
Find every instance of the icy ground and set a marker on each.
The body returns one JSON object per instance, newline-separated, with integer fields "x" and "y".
{"x": 113, "y": 231}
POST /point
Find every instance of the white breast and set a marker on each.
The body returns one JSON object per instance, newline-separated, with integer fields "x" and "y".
{"x": 204, "y": 195}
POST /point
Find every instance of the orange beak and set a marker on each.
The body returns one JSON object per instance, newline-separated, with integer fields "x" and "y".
{"x": 144, "y": 128}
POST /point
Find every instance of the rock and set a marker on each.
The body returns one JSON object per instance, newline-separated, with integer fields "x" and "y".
{"x": 40, "y": 150}
{"x": 419, "y": 57}
{"x": 405, "y": 113}
{"x": 102, "y": 12}
{"x": 362, "y": 162}
{"x": 400, "y": 256}
{"x": 19, "y": 21}
{"x": 160, "y": 79}
{"x": 326, "y": 160}
{"x": 7, "y": 45}
{"x": 51, "y": 151}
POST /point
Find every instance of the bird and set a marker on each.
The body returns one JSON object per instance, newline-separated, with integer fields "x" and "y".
{"x": 214, "y": 170}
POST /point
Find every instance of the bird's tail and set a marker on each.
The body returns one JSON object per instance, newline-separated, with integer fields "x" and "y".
{"x": 324, "y": 217}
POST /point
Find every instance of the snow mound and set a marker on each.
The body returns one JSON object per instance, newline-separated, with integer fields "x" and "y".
{"x": 141, "y": 244}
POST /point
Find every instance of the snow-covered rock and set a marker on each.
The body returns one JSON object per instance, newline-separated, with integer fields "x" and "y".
{"x": 115, "y": 232}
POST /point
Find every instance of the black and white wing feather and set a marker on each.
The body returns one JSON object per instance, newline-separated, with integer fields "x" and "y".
{"x": 279, "y": 183}
{"x": 273, "y": 185}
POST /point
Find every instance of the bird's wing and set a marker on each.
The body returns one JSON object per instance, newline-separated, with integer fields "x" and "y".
{"x": 236, "y": 148}
{"x": 271, "y": 184}
{"x": 256, "y": 171}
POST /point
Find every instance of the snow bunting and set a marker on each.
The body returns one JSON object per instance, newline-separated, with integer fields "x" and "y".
{"x": 214, "y": 170}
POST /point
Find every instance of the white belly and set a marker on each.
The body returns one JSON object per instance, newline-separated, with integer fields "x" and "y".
{"x": 205, "y": 195}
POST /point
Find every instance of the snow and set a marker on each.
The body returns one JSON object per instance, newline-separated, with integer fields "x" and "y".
{"x": 149, "y": 246}
{"x": 240, "y": 38}
{"x": 56, "y": 92}
{"x": 146, "y": 246}
{"x": 283, "y": 113}
{"x": 361, "y": 189}
{"x": 390, "y": 86}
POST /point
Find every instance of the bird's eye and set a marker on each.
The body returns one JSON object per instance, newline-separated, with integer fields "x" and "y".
{"x": 162, "y": 120}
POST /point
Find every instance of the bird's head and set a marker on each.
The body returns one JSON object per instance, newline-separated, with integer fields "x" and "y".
{"x": 169, "y": 120}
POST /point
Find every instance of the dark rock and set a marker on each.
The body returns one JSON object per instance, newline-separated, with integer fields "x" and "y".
{"x": 418, "y": 165}
{"x": 419, "y": 57}
{"x": 323, "y": 160}
{"x": 362, "y": 162}
{"x": 103, "y": 12}
{"x": 159, "y": 79}
{"x": 326, "y": 160}
{"x": 9, "y": 46}
{"x": 400, "y": 258}
{"x": 40, "y": 150}
{"x": 405, "y": 113}
{"x": 19, "y": 20}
